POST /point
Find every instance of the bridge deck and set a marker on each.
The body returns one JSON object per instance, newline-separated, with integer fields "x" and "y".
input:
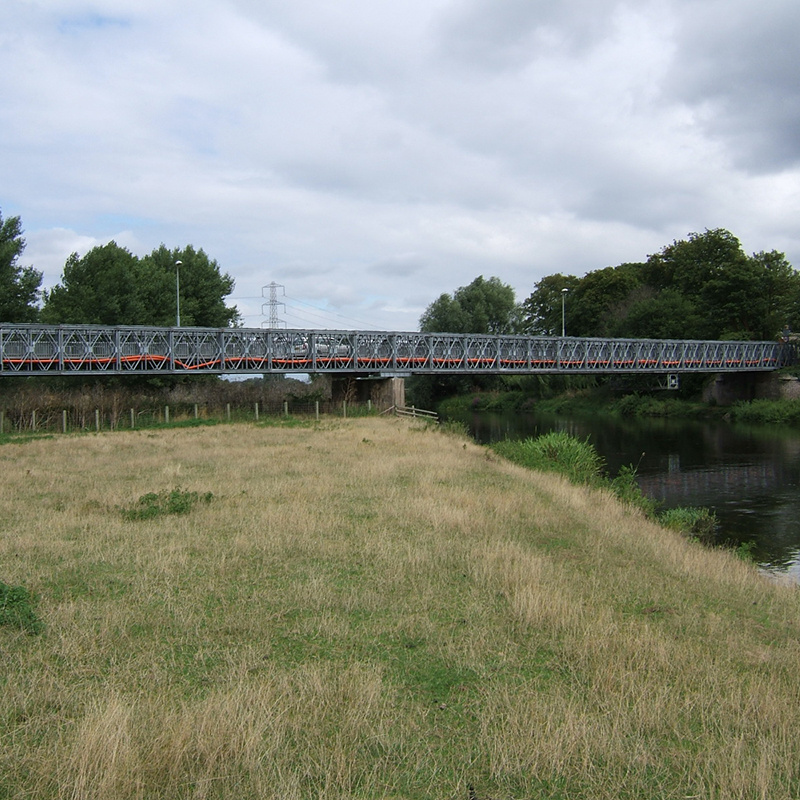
{"x": 71, "y": 349}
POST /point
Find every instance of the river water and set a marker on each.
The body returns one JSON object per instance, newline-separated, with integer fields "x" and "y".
{"x": 749, "y": 476}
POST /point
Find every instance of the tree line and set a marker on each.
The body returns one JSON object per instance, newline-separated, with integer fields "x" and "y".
{"x": 112, "y": 286}
{"x": 702, "y": 287}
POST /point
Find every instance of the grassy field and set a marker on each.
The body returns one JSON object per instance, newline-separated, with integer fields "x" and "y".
{"x": 369, "y": 609}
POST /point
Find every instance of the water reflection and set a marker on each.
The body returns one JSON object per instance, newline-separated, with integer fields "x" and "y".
{"x": 748, "y": 476}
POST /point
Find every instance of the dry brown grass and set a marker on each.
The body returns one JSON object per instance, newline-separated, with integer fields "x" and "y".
{"x": 370, "y": 609}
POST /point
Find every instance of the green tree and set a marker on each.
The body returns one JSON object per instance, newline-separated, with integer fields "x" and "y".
{"x": 111, "y": 286}
{"x": 687, "y": 265}
{"x": 703, "y": 287}
{"x": 782, "y": 291}
{"x": 599, "y": 299}
{"x": 542, "y": 310}
{"x": 484, "y": 306}
{"x": 101, "y": 288}
{"x": 203, "y": 288}
{"x": 659, "y": 315}
{"x": 19, "y": 286}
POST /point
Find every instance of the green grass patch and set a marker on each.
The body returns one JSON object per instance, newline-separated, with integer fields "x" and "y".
{"x": 767, "y": 412}
{"x": 177, "y": 501}
{"x": 697, "y": 523}
{"x": 559, "y": 452}
{"x": 17, "y": 609}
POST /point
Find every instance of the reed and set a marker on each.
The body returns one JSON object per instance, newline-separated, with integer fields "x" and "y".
{"x": 370, "y": 608}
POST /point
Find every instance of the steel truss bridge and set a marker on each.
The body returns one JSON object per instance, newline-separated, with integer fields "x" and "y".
{"x": 122, "y": 350}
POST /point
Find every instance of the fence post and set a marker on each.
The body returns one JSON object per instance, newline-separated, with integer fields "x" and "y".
{"x": 369, "y": 405}
{"x": 195, "y": 411}
{"x": 316, "y": 410}
{"x": 133, "y": 420}
{"x": 2, "y": 422}
{"x": 228, "y": 411}
{"x": 166, "y": 414}
{"x": 33, "y": 419}
{"x": 64, "y": 421}
{"x": 97, "y": 420}
{"x": 256, "y": 412}
{"x": 285, "y": 408}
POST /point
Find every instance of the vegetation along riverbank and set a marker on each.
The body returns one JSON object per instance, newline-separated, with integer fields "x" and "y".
{"x": 599, "y": 400}
{"x": 370, "y": 608}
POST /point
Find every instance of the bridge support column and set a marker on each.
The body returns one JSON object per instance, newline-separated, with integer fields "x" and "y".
{"x": 382, "y": 392}
{"x": 730, "y": 387}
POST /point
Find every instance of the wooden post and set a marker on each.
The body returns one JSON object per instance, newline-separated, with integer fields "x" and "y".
{"x": 64, "y": 421}
{"x": 166, "y": 414}
{"x": 256, "y": 412}
{"x": 33, "y": 419}
{"x": 97, "y": 420}
{"x": 316, "y": 410}
{"x": 195, "y": 411}
{"x": 285, "y": 408}
{"x": 133, "y": 420}
{"x": 228, "y": 411}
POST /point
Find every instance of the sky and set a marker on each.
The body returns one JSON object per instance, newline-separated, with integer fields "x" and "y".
{"x": 368, "y": 156}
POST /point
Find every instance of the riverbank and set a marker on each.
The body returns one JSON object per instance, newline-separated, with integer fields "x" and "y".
{"x": 599, "y": 400}
{"x": 372, "y": 608}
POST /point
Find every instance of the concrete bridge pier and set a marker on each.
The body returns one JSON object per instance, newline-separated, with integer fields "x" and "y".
{"x": 382, "y": 392}
{"x": 731, "y": 387}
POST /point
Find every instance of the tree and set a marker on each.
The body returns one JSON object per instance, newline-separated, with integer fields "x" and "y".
{"x": 111, "y": 286}
{"x": 782, "y": 291}
{"x": 600, "y": 299}
{"x": 542, "y": 311}
{"x": 484, "y": 306}
{"x": 687, "y": 265}
{"x": 703, "y": 287}
{"x": 99, "y": 289}
{"x": 659, "y": 315}
{"x": 19, "y": 286}
{"x": 203, "y": 289}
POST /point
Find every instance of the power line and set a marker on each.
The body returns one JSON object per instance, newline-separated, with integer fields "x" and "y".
{"x": 335, "y": 314}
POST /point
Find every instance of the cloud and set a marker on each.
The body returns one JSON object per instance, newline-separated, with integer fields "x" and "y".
{"x": 370, "y": 156}
{"x": 736, "y": 65}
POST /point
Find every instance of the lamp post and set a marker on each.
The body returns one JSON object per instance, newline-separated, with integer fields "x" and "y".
{"x": 178, "y": 293}
{"x": 563, "y": 315}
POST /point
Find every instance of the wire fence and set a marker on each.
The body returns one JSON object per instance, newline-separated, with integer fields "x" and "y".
{"x": 44, "y": 419}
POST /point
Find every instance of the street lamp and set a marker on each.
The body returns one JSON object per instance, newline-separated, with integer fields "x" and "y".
{"x": 178, "y": 293}
{"x": 563, "y": 315}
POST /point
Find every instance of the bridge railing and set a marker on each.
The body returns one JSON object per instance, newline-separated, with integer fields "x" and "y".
{"x": 70, "y": 349}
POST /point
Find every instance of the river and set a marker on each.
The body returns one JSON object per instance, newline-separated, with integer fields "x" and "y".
{"x": 748, "y": 476}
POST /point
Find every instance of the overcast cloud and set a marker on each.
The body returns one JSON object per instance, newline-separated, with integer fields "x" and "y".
{"x": 369, "y": 156}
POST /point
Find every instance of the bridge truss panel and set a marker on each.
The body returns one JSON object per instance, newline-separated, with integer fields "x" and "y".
{"x": 70, "y": 349}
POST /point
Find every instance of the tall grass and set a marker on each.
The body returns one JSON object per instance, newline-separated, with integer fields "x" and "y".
{"x": 366, "y": 608}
